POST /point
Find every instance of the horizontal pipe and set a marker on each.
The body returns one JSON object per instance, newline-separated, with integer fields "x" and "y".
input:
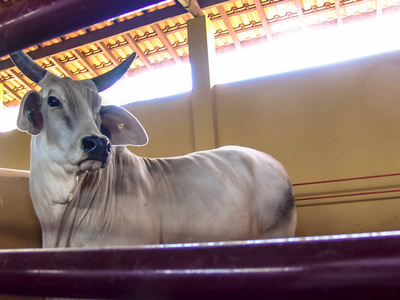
{"x": 348, "y": 195}
{"x": 345, "y": 179}
{"x": 28, "y": 23}
{"x": 364, "y": 266}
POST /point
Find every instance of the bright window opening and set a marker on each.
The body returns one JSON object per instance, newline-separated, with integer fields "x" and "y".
{"x": 150, "y": 85}
{"x": 310, "y": 49}
{"x": 305, "y": 50}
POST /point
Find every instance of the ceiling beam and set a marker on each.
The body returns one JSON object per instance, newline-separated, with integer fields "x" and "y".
{"x": 85, "y": 63}
{"x": 207, "y": 3}
{"x": 167, "y": 43}
{"x": 61, "y": 66}
{"x": 193, "y": 7}
{"x": 35, "y": 21}
{"x": 100, "y": 34}
{"x": 252, "y": 7}
{"x": 12, "y": 92}
{"x": 21, "y": 79}
{"x": 263, "y": 18}
{"x": 229, "y": 26}
{"x": 225, "y": 34}
{"x": 108, "y": 53}
{"x": 143, "y": 58}
{"x": 186, "y": 17}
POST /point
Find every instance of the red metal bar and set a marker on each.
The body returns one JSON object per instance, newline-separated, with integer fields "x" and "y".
{"x": 347, "y": 195}
{"x": 31, "y": 22}
{"x": 362, "y": 267}
{"x": 346, "y": 179}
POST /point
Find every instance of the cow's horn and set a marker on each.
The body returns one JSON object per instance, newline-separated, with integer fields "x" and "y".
{"x": 106, "y": 80}
{"x": 27, "y": 66}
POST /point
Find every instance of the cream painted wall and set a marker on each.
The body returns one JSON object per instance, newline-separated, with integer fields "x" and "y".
{"x": 14, "y": 149}
{"x": 330, "y": 122}
{"x": 168, "y": 123}
{"x": 19, "y": 227}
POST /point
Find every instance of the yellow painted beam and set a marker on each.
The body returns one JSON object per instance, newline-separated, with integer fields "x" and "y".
{"x": 202, "y": 57}
{"x": 193, "y": 7}
{"x": 1, "y": 95}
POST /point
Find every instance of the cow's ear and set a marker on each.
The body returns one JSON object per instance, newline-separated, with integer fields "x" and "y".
{"x": 30, "y": 117}
{"x": 121, "y": 127}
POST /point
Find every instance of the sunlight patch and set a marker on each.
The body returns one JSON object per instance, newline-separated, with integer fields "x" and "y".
{"x": 8, "y": 118}
{"x": 308, "y": 49}
{"x": 152, "y": 84}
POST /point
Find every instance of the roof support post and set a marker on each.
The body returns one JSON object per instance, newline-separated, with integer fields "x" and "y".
{"x": 201, "y": 56}
{"x": 1, "y": 95}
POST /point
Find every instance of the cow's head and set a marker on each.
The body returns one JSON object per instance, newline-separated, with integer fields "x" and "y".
{"x": 69, "y": 117}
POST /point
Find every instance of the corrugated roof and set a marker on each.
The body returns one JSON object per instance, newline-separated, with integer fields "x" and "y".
{"x": 236, "y": 23}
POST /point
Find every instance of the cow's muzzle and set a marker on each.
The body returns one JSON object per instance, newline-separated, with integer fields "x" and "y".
{"x": 97, "y": 148}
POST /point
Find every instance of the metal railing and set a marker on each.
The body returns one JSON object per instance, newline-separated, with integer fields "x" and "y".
{"x": 344, "y": 180}
{"x": 364, "y": 266}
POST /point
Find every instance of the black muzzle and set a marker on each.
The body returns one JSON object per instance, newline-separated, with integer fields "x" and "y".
{"x": 97, "y": 148}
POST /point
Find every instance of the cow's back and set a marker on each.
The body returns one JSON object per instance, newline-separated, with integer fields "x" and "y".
{"x": 231, "y": 193}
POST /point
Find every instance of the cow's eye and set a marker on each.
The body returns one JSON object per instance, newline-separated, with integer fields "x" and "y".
{"x": 53, "y": 101}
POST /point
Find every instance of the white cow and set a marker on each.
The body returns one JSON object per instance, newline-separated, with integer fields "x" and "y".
{"x": 87, "y": 192}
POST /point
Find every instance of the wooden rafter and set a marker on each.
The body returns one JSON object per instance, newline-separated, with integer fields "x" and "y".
{"x": 83, "y": 61}
{"x": 186, "y": 17}
{"x": 229, "y": 26}
{"x": 193, "y": 7}
{"x": 138, "y": 50}
{"x": 61, "y": 66}
{"x": 225, "y": 34}
{"x": 263, "y": 19}
{"x": 166, "y": 42}
{"x": 94, "y": 36}
{"x": 108, "y": 52}
{"x": 20, "y": 79}
{"x": 126, "y": 29}
{"x": 250, "y": 8}
{"x": 12, "y": 92}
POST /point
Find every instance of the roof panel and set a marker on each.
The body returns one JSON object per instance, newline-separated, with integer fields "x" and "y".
{"x": 92, "y": 58}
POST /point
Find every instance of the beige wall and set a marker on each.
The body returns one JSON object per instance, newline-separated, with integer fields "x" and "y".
{"x": 14, "y": 149}
{"x": 168, "y": 123}
{"x": 19, "y": 227}
{"x": 325, "y": 123}
{"x": 330, "y": 122}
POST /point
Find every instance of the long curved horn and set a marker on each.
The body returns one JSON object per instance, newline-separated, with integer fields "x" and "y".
{"x": 106, "y": 80}
{"x": 27, "y": 66}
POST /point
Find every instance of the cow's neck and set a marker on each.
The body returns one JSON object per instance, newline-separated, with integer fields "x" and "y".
{"x": 102, "y": 199}
{"x": 50, "y": 187}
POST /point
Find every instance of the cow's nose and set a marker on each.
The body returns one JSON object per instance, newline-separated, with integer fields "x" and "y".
{"x": 96, "y": 147}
